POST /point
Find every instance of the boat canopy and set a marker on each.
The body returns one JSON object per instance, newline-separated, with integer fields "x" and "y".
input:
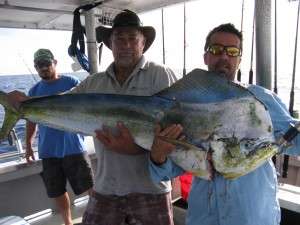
{"x": 58, "y": 14}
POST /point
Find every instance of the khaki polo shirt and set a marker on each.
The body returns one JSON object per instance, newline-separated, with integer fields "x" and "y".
{"x": 119, "y": 174}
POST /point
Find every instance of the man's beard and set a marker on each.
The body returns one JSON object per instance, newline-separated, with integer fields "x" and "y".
{"x": 223, "y": 66}
{"x": 46, "y": 75}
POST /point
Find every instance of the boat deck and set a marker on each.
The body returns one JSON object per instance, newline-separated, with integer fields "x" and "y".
{"x": 55, "y": 218}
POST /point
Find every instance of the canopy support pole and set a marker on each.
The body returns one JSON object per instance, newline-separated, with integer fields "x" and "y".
{"x": 91, "y": 40}
{"x": 263, "y": 11}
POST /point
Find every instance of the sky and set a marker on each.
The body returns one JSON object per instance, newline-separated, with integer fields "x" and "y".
{"x": 18, "y": 45}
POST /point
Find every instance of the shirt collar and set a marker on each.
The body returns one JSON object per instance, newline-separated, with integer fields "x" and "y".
{"x": 141, "y": 65}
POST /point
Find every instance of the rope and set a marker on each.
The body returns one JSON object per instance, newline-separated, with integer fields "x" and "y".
{"x": 78, "y": 37}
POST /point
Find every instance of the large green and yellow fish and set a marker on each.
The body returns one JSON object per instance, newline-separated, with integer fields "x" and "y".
{"x": 217, "y": 115}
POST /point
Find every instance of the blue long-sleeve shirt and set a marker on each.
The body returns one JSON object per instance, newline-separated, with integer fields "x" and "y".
{"x": 248, "y": 200}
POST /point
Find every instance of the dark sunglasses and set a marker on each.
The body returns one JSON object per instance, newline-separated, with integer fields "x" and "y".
{"x": 42, "y": 64}
{"x": 231, "y": 51}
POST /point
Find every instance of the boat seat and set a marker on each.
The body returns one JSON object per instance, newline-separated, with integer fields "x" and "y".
{"x": 15, "y": 220}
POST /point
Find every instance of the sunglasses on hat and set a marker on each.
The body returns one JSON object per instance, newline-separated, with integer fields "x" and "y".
{"x": 217, "y": 49}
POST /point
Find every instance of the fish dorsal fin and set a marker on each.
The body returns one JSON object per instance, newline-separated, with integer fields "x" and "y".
{"x": 202, "y": 86}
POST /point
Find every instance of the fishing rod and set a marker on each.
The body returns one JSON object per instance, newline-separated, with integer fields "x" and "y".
{"x": 184, "y": 38}
{"x": 100, "y": 50}
{"x": 163, "y": 34}
{"x": 275, "y": 50}
{"x": 239, "y": 73}
{"x": 252, "y": 50}
{"x": 25, "y": 63}
{"x": 288, "y": 136}
{"x": 275, "y": 62}
{"x": 27, "y": 67}
{"x": 291, "y": 105}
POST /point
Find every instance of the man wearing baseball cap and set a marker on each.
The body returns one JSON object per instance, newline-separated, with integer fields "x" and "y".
{"x": 43, "y": 55}
{"x": 59, "y": 150}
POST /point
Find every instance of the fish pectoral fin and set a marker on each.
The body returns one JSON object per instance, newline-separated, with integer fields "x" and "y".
{"x": 182, "y": 144}
{"x": 192, "y": 159}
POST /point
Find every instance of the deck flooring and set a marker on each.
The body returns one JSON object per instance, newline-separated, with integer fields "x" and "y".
{"x": 56, "y": 219}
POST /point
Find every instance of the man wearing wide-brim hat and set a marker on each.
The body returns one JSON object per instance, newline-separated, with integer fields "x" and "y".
{"x": 124, "y": 192}
{"x": 126, "y": 19}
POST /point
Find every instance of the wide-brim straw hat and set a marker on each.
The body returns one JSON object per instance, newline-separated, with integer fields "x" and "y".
{"x": 126, "y": 18}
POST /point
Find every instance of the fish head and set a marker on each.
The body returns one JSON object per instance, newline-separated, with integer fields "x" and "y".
{"x": 234, "y": 158}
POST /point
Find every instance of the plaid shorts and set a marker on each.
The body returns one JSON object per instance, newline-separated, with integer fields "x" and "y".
{"x": 74, "y": 168}
{"x": 131, "y": 209}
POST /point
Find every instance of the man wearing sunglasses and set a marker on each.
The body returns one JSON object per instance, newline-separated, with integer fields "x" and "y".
{"x": 59, "y": 150}
{"x": 223, "y": 51}
{"x": 252, "y": 198}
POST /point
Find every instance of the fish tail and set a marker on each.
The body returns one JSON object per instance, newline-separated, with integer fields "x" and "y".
{"x": 10, "y": 118}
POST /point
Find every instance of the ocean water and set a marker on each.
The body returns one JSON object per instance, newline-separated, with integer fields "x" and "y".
{"x": 22, "y": 83}
{"x": 25, "y": 82}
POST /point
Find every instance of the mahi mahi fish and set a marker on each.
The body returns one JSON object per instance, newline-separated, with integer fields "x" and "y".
{"x": 217, "y": 115}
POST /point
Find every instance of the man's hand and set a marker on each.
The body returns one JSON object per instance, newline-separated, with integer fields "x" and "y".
{"x": 122, "y": 142}
{"x": 161, "y": 149}
{"x": 15, "y": 98}
{"x": 29, "y": 155}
